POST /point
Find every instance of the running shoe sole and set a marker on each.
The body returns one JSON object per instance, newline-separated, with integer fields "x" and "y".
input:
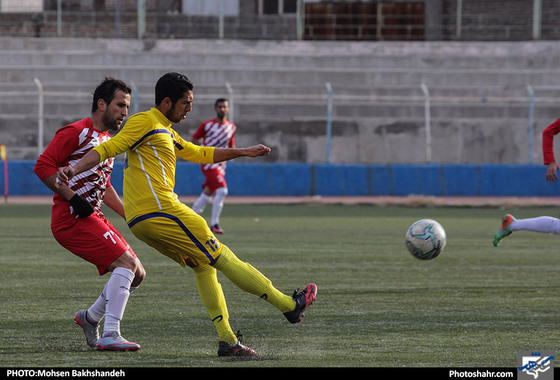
{"x": 116, "y": 343}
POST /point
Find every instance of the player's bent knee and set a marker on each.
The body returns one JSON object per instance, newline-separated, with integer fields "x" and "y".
{"x": 139, "y": 276}
{"x": 128, "y": 261}
{"x": 139, "y": 273}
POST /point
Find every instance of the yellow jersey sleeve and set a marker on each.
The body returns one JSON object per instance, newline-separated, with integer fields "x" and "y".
{"x": 192, "y": 152}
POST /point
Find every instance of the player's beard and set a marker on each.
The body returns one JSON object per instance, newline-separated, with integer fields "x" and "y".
{"x": 172, "y": 116}
{"x": 111, "y": 124}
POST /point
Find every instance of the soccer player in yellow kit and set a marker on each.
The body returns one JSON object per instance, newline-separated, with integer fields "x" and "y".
{"x": 156, "y": 216}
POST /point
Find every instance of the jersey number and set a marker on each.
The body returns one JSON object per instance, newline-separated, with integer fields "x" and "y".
{"x": 213, "y": 244}
{"x": 111, "y": 235}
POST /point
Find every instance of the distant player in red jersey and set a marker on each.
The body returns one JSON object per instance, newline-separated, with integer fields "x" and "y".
{"x": 77, "y": 221}
{"x": 543, "y": 224}
{"x": 218, "y": 132}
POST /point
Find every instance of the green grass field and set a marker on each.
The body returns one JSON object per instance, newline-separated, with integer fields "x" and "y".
{"x": 377, "y": 306}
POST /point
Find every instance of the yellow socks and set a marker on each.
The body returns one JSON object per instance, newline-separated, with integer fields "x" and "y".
{"x": 246, "y": 278}
{"x": 213, "y": 298}
{"x": 250, "y": 280}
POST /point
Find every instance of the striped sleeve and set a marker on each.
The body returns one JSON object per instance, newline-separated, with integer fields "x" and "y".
{"x": 57, "y": 152}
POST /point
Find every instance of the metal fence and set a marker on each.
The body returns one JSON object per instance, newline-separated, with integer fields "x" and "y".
{"x": 329, "y": 98}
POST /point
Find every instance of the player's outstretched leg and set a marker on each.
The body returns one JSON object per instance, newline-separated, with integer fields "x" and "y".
{"x": 249, "y": 279}
{"x": 504, "y": 230}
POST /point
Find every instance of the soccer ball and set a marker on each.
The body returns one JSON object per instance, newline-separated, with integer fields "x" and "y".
{"x": 425, "y": 239}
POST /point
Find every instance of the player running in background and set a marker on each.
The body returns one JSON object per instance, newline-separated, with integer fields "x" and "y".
{"x": 217, "y": 132}
{"x": 77, "y": 221}
{"x": 543, "y": 224}
{"x": 156, "y": 216}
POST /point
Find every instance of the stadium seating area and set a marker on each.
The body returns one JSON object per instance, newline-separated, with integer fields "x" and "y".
{"x": 479, "y": 101}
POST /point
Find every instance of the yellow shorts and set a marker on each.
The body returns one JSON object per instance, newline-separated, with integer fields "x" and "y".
{"x": 179, "y": 233}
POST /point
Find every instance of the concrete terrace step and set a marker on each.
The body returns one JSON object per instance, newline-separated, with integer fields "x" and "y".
{"x": 293, "y": 76}
{"x": 228, "y": 53}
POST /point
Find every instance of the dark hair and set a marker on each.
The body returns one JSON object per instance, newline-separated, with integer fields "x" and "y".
{"x": 172, "y": 86}
{"x": 107, "y": 90}
{"x": 220, "y": 100}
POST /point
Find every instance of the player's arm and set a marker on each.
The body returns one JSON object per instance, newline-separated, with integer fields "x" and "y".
{"x": 548, "y": 150}
{"x": 81, "y": 206}
{"x": 113, "y": 201}
{"x": 232, "y": 141}
{"x": 191, "y": 152}
{"x": 209, "y": 155}
{"x": 56, "y": 153}
{"x": 198, "y": 135}
{"x": 552, "y": 171}
{"x": 88, "y": 161}
{"x": 226, "y": 154}
{"x": 548, "y": 141}
{"x": 64, "y": 191}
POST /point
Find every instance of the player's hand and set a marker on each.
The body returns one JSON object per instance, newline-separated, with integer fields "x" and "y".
{"x": 257, "y": 150}
{"x": 551, "y": 172}
{"x": 64, "y": 175}
{"x": 81, "y": 206}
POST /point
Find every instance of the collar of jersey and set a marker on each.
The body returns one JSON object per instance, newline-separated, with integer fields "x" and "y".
{"x": 161, "y": 118}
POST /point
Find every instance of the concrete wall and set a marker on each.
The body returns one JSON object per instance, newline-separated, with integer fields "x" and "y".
{"x": 479, "y": 110}
{"x": 275, "y": 179}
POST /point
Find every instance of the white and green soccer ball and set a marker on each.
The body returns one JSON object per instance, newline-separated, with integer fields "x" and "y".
{"x": 425, "y": 239}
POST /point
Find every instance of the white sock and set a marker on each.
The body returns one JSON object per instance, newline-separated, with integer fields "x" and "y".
{"x": 117, "y": 293}
{"x": 97, "y": 311}
{"x": 544, "y": 224}
{"x": 218, "y": 204}
{"x": 200, "y": 203}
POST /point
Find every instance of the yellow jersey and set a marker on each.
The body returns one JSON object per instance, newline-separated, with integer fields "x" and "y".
{"x": 152, "y": 148}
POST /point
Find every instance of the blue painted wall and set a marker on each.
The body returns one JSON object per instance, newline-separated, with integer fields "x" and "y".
{"x": 333, "y": 180}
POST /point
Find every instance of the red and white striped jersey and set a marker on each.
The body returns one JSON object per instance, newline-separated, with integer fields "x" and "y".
{"x": 216, "y": 134}
{"x": 213, "y": 133}
{"x": 69, "y": 145}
